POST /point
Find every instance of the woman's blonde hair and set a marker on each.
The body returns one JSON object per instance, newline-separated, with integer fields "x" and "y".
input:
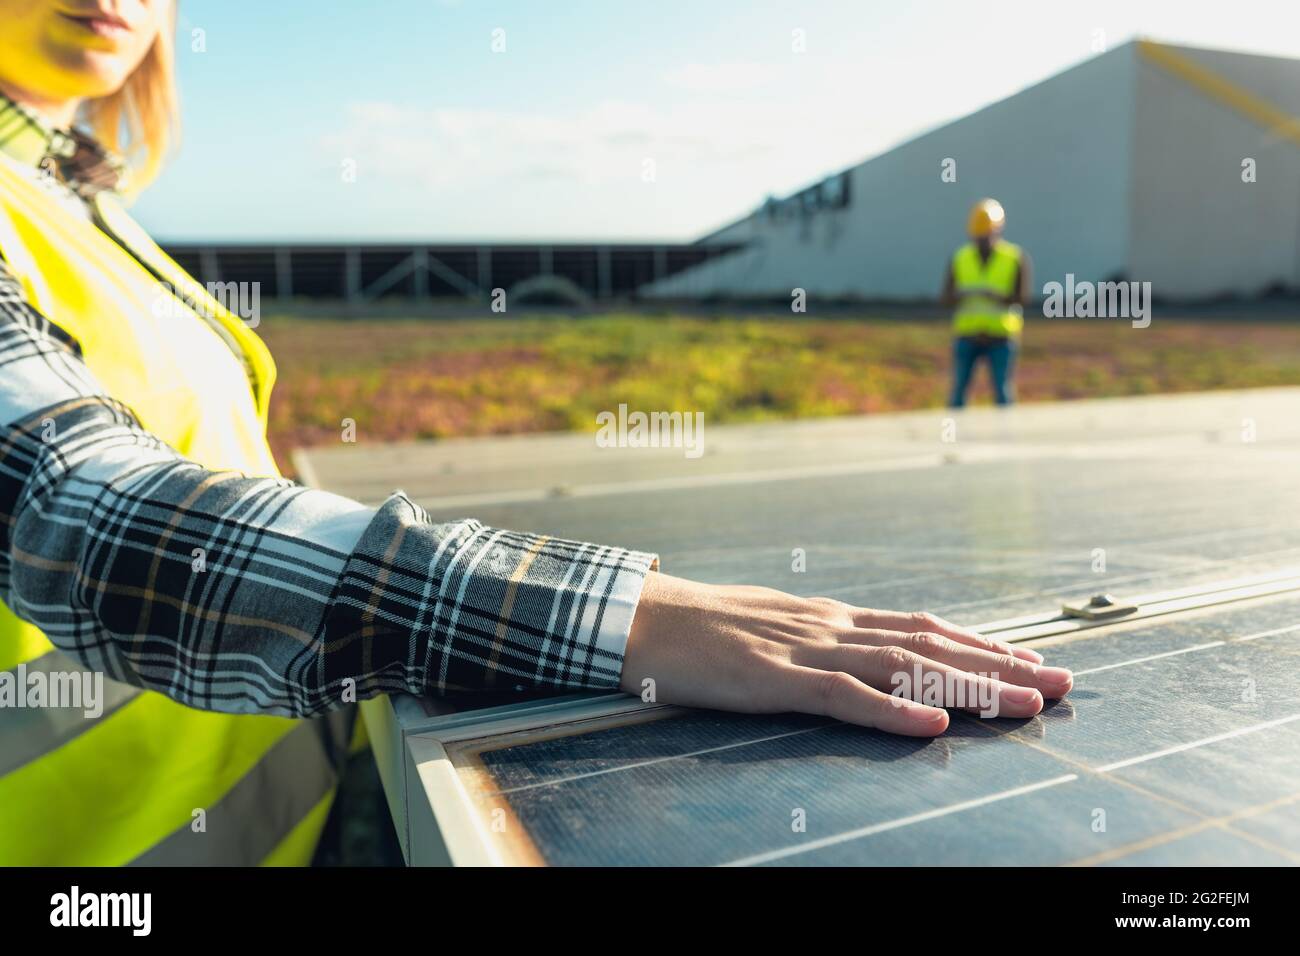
{"x": 140, "y": 121}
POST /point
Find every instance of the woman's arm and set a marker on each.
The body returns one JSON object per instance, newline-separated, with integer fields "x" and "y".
{"x": 247, "y": 594}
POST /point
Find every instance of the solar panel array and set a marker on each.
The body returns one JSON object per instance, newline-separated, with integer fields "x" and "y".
{"x": 1099, "y": 777}
{"x": 1179, "y": 744}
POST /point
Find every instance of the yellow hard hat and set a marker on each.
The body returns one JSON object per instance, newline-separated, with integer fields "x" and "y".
{"x": 986, "y": 218}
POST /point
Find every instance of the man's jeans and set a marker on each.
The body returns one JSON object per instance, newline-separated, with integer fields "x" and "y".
{"x": 1001, "y": 355}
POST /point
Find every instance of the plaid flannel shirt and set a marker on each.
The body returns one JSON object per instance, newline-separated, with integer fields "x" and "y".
{"x": 300, "y": 596}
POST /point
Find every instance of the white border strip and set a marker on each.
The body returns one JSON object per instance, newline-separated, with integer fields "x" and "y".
{"x": 771, "y": 855}
{"x": 1239, "y": 732}
{"x": 748, "y": 742}
{"x": 1150, "y": 657}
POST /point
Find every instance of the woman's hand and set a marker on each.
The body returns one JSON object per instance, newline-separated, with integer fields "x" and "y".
{"x": 763, "y": 651}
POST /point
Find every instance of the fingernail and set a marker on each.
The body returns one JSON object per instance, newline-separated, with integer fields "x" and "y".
{"x": 1029, "y": 654}
{"x": 1054, "y": 675}
{"x": 1020, "y": 695}
{"x": 925, "y": 715}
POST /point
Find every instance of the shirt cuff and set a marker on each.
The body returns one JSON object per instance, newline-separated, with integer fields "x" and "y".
{"x": 626, "y": 578}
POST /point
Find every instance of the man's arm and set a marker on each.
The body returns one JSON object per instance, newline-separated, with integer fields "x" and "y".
{"x": 246, "y": 594}
{"x": 948, "y": 297}
{"x": 1024, "y": 280}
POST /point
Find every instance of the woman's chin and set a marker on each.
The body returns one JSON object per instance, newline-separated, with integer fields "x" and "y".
{"x": 88, "y": 74}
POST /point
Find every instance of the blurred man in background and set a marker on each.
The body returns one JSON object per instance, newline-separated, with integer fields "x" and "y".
{"x": 987, "y": 281}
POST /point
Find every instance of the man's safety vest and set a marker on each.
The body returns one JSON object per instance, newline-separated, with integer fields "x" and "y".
{"x": 977, "y": 282}
{"x": 150, "y": 780}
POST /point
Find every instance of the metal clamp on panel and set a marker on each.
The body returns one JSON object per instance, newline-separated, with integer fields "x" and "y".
{"x": 1099, "y": 607}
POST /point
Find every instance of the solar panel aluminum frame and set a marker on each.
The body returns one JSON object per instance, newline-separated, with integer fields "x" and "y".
{"x": 424, "y": 751}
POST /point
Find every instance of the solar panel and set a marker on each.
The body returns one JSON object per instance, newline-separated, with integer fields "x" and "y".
{"x": 1179, "y": 743}
{"x": 974, "y": 542}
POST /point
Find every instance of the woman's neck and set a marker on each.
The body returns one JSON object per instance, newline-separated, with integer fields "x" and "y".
{"x": 58, "y": 113}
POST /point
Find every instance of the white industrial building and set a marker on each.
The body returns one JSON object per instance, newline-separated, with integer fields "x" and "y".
{"x": 1134, "y": 164}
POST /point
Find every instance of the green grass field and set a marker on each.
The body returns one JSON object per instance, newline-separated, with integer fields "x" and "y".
{"x": 405, "y": 379}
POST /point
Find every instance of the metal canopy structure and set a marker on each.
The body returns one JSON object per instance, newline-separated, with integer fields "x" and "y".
{"x": 1179, "y": 744}
{"x": 365, "y": 272}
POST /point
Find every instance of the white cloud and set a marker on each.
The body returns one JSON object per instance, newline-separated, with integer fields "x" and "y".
{"x": 579, "y": 171}
{"x": 606, "y": 142}
{"x": 716, "y": 78}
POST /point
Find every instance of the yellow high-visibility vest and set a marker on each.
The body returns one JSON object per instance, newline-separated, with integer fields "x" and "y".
{"x": 150, "y": 780}
{"x": 977, "y": 282}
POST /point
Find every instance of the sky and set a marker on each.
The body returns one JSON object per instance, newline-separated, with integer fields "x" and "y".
{"x": 572, "y": 120}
